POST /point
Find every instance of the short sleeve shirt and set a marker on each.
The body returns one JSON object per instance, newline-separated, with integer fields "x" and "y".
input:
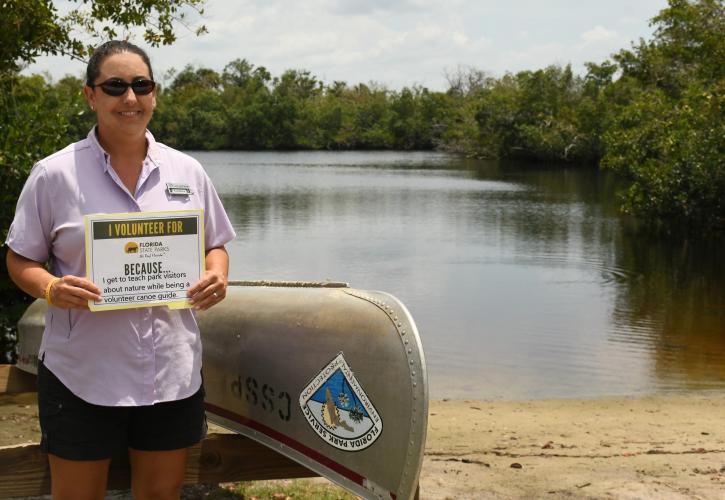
{"x": 127, "y": 357}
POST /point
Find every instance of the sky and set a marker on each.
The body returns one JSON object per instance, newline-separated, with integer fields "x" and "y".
{"x": 399, "y": 43}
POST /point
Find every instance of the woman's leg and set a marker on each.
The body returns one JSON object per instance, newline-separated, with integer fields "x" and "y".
{"x": 78, "y": 479}
{"x": 157, "y": 475}
{"x": 79, "y": 439}
{"x": 159, "y": 439}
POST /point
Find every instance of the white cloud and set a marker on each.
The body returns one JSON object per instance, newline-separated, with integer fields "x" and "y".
{"x": 336, "y": 45}
{"x": 629, "y": 20}
{"x": 599, "y": 34}
{"x": 367, "y": 7}
{"x": 399, "y": 42}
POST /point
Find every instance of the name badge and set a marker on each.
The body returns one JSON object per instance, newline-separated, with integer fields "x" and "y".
{"x": 174, "y": 188}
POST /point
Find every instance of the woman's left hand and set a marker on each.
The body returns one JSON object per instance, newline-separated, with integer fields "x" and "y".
{"x": 212, "y": 287}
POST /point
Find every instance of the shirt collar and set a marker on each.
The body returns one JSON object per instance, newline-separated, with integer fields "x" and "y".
{"x": 152, "y": 159}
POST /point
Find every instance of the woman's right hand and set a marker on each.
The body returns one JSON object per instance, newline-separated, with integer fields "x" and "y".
{"x": 73, "y": 292}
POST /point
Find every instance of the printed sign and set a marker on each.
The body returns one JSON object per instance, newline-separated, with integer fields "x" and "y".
{"x": 339, "y": 411}
{"x": 144, "y": 259}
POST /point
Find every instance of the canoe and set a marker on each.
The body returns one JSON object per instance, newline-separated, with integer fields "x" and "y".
{"x": 330, "y": 376}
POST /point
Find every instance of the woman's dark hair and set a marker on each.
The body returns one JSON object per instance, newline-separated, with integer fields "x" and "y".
{"x": 108, "y": 49}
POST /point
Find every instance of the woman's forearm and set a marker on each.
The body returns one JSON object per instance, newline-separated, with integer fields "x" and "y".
{"x": 31, "y": 277}
{"x": 67, "y": 292}
{"x": 217, "y": 260}
{"x": 212, "y": 287}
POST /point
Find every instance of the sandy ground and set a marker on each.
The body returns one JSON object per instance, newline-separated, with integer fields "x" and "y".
{"x": 653, "y": 447}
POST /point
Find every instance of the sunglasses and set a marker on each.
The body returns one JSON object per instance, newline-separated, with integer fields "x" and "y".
{"x": 116, "y": 87}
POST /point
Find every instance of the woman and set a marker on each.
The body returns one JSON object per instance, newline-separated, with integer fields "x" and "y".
{"x": 126, "y": 379}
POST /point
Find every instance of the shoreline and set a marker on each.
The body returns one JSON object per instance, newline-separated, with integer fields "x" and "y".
{"x": 655, "y": 446}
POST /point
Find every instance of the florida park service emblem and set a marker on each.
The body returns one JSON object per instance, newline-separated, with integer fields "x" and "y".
{"x": 339, "y": 411}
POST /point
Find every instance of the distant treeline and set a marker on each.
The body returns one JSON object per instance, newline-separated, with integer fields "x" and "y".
{"x": 549, "y": 114}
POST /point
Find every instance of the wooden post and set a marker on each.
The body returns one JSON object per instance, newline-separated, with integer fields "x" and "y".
{"x": 13, "y": 380}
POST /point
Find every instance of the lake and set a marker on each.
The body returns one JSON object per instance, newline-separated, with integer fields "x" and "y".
{"x": 523, "y": 280}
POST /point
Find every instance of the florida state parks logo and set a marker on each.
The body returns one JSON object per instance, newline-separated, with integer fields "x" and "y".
{"x": 337, "y": 408}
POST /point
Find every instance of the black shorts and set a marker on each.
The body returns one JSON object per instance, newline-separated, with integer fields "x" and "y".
{"x": 73, "y": 429}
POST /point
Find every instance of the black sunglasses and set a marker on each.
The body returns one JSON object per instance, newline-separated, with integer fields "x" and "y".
{"x": 116, "y": 87}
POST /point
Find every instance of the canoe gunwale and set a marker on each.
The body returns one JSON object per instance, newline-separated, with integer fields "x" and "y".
{"x": 290, "y": 284}
{"x": 410, "y": 337}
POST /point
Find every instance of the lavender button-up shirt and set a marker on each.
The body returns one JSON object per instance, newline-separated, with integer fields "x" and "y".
{"x": 127, "y": 357}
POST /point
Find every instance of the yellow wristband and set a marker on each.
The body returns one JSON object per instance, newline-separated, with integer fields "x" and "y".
{"x": 48, "y": 288}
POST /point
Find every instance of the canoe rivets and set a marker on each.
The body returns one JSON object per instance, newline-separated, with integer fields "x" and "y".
{"x": 415, "y": 384}
{"x": 411, "y": 361}
{"x": 412, "y": 373}
{"x": 410, "y": 351}
{"x": 406, "y": 341}
{"x": 402, "y": 332}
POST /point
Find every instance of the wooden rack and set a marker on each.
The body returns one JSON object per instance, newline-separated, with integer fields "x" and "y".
{"x": 219, "y": 458}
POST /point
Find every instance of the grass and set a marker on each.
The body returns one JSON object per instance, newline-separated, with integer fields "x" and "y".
{"x": 279, "y": 490}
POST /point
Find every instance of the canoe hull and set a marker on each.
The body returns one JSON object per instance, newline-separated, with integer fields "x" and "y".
{"x": 333, "y": 378}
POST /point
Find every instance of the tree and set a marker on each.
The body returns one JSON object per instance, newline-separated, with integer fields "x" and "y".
{"x": 289, "y": 94}
{"x": 668, "y": 135}
{"x": 688, "y": 43}
{"x": 248, "y": 101}
{"x": 200, "y": 78}
{"x": 30, "y": 28}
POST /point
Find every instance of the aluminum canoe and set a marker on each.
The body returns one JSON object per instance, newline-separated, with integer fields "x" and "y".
{"x": 330, "y": 376}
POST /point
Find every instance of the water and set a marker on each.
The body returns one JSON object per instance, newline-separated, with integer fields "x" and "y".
{"x": 523, "y": 281}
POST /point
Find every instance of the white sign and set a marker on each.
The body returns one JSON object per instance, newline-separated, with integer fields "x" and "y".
{"x": 144, "y": 259}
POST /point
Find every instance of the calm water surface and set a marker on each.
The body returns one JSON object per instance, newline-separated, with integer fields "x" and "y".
{"x": 522, "y": 280}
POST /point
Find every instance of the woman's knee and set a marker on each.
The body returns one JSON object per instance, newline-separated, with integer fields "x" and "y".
{"x": 157, "y": 475}
{"x": 161, "y": 489}
{"x": 78, "y": 479}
